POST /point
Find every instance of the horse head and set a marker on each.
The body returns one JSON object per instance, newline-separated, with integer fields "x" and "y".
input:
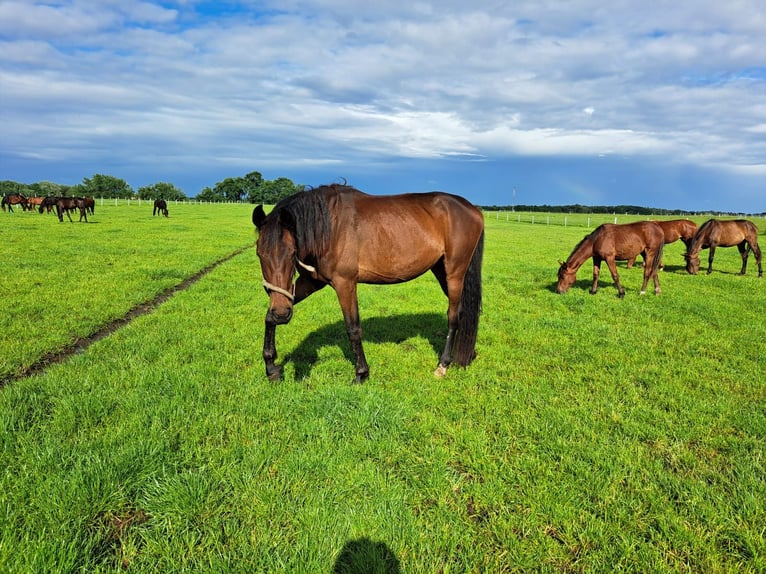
{"x": 276, "y": 249}
{"x": 692, "y": 263}
{"x": 566, "y": 278}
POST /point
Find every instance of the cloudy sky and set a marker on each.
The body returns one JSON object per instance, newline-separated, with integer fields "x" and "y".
{"x": 659, "y": 104}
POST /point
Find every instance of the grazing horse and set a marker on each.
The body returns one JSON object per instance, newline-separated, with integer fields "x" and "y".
{"x": 611, "y": 242}
{"x": 716, "y": 233}
{"x": 674, "y": 230}
{"x": 160, "y": 206}
{"x": 67, "y": 204}
{"x": 337, "y": 235}
{"x": 12, "y": 199}
{"x": 48, "y": 203}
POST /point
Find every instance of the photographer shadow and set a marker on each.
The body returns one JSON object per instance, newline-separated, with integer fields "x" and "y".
{"x": 365, "y": 556}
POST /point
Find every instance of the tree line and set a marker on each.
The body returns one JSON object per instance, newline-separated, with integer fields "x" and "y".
{"x": 252, "y": 188}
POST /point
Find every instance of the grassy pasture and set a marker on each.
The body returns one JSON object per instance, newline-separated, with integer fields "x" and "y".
{"x": 590, "y": 434}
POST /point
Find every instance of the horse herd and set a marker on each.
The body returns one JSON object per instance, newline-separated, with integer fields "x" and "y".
{"x": 613, "y": 242}
{"x": 63, "y": 205}
{"x": 339, "y": 236}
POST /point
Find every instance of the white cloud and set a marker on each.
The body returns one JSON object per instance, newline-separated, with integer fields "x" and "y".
{"x": 683, "y": 80}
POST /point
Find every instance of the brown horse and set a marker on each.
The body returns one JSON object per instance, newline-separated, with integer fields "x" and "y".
{"x": 64, "y": 205}
{"x": 89, "y": 204}
{"x": 339, "y": 236}
{"x": 160, "y": 206}
{"x": 33, "y": 203}
{"x": 12, "y": 199}
{"x": 611, "y": 242}
{"x": 716, "y": 233}
{"x": 674, "y": 230}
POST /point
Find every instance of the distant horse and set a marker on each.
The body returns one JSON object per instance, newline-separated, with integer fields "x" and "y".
{"x": 611, "y": 242}
{"x": 674, "y": 230}
{"x": 716, "y": 233}
{"x": 66, "y": 204}
{"x": 33, "y": 203}
{"x": 12, "y": 199}
{"x": 339, "y": 236}
{"x": 160, "y": 206}
{"x": 48, "y": 203}
{"x": 89, "y": 203}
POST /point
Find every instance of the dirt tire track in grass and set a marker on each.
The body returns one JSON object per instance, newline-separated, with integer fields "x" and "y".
{"x": 82, "y": 343}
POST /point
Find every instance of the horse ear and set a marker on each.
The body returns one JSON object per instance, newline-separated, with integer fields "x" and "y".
{"x": 258, "y": 216}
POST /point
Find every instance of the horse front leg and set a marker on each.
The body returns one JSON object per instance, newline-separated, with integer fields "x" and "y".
{"x": 273, "y": 371}
{"x": 596, "y": 273}
{"x": 349, "y": 304}
{"x": 612, "y": 264}
{"x": 710, "y": 259}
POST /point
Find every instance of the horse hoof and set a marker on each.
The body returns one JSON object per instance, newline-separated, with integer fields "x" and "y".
{"x": 274, "y": 374}
{"x": 440, "y": 371}
{"x": 642, "y": 293}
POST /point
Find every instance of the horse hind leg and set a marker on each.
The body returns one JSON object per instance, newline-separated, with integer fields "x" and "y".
{"x": 757, "y": 253}
{"x": 744, "y": 252}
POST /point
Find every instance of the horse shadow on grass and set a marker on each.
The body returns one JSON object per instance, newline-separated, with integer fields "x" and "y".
{"x": 389, "y": 329}
{"x": 365, "y": 556}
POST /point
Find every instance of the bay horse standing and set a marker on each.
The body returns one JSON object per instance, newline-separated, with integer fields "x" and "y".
{"x": 160, "y": 206}
{"x": 611, "y": 242}
{"x": 717, "y": 233}
{"x": 337, "y": 235}
{"x": 674, "y": 230}
{"x": 11, "y": 199}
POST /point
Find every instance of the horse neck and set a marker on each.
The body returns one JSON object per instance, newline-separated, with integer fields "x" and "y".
{"x": 581, "y": 253}
{"x": 701, "y": 237}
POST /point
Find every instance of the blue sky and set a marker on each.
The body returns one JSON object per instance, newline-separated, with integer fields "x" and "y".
{"x": 598, "y": 103}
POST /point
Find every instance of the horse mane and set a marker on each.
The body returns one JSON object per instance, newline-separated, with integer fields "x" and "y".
{"x": 590, "y": 237}
{"x": 700, "y": 236}
{"x": 306, "y": 215}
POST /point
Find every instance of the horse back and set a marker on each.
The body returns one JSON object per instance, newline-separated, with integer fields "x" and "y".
{"x": 398, "y": 237}
{"x": 627, "y": 240}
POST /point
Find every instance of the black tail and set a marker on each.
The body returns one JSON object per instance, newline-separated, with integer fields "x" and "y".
{"x": 470, "y": 308}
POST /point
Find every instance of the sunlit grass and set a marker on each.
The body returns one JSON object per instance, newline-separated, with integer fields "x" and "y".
{"x": 591, "y": 434}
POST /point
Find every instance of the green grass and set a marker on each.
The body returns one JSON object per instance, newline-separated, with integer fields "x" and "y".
{"x": 62, "y": 281}
{"x": 591, "y": 434}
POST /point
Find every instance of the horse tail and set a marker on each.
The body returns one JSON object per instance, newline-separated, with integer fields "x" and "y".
{"x": 470, "y": 309}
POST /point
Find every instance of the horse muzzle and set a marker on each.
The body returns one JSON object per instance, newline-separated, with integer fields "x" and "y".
{"x": 279, "y": 315}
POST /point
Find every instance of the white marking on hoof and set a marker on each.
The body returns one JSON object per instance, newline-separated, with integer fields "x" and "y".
{"x": 440, "y": 371}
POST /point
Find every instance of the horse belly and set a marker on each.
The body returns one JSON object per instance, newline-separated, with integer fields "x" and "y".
{"x": 395, "y": 261}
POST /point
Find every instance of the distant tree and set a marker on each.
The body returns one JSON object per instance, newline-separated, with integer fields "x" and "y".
{"x": 231, "y": 188}
{"x": 273, "y": 191}
{"x": 209, "y": 194}
{"x": 161, "y": 190}
{"x": 7, "y": 186}
{"x": 44, "y": 188}
{"x": 106, "y": 186}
